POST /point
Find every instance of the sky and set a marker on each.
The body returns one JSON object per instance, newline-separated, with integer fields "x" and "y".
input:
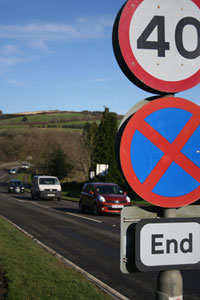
{"x": 58, "y": 55}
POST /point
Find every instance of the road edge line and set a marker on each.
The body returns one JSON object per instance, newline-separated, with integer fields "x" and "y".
{"x": 103, "y": 286}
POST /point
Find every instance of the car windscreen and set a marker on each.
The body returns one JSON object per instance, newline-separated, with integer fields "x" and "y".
{"x": 109, "y": 189}
{"x": 16, "y": 183}
{"x": 49, "y": 181}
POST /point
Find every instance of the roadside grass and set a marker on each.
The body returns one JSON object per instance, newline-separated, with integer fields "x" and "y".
{"x": 72, "y": 190}
{"x": 20, "y": 176}
{"x": 141, "y": 202}
{"x": 34, "y": 274}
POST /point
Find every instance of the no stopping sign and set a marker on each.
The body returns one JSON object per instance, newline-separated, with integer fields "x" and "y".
{"x": 160, "y": 152}
{"x": 157, "y": 43}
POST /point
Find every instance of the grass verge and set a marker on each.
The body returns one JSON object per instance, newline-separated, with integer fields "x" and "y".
{"x": 34, "y": 274}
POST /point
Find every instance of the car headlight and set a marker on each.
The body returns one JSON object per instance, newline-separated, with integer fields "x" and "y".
{"x": 128, "y": 199}
{"x": 101, "y": 199}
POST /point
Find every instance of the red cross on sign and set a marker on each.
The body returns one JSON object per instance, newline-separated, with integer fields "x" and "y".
{"x": 160, "y": 152}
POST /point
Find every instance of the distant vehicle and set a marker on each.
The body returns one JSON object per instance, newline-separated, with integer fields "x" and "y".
{"x": 12, "y": 171}
{"x": 45, "y": 187}
{"x": 25, "y": 166}
{"x": 16, "y": 186}
{"x": 103, "y": 198}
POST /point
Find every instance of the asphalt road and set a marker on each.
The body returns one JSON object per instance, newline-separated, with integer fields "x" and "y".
{"x": 91, "y": 242}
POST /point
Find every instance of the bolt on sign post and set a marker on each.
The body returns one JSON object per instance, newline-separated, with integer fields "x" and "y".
{"x": 157, "y": 46}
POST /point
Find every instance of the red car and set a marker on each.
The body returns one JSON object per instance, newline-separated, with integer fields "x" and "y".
{"x": 103, "y": 198}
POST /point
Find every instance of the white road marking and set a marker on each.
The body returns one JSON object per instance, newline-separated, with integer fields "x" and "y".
{"x": 3, "y": 176}
{"x": 20, "y": 200}
{"x": 3, "y": 195}
{"x": 68, "y": 213}
{"x": 37, "y": 204}
{"x": 82, "y": 217}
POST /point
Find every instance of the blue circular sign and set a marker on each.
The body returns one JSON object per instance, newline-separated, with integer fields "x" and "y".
{"x": 160, "y": 152}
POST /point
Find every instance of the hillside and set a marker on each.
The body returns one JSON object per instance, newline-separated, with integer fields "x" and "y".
{"x": 49, "y": 119}
{"x": 39, "y": 135}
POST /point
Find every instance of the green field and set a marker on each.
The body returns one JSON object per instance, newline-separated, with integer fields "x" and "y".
{"x": 56, "y": 120}
{"x": 44, "y": 120}
{"x": 33, "y": 274}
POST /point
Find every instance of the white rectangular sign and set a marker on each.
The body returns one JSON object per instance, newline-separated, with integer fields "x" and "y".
{"x": 168, "y": 242}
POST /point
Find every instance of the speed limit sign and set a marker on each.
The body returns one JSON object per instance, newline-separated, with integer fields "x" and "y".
{"x": 157, "y": 43}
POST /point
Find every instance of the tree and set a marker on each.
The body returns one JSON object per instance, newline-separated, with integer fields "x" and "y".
{"x": 88, "y": 140}
{"x": 56, "y": 163}
{"x": 24, "y": 119}
{"x": 105, "y": 145}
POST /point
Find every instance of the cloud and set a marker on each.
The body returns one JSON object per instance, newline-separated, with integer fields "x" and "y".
{"x": 37, "y": 34}
{"x": 15, "y": 82}
{"x": 94, "y": 27}
{"x": 13, "y": 60}
{"x": 100, "y": 80}
{"x": 39, "y": 30}
{"x": 23, "y": 43}
{"x": 9, "y": 49}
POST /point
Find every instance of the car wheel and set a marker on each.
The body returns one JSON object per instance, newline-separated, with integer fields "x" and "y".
{"x": 95, "y": 210}
{"x": 81, "y": 207}
{"x": 34, "y": 197}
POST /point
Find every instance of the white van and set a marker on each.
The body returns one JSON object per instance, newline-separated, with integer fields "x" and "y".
{"x": 45, "y": 187}
{"x": 25, "y": 166}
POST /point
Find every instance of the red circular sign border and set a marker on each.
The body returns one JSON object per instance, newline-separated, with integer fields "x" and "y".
{"x": 134, "y": 66}
{"x": 125, "y": 158}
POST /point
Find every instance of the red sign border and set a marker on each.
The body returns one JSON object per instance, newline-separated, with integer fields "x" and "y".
{"x": 133, "y": 65}
{"x": 125, "y": 158}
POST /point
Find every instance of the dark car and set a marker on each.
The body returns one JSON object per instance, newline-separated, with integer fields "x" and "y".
{"x": 16, "y": 186}
{"x": 103, "y": 198}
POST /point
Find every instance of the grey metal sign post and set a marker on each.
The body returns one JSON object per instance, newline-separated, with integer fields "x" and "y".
{"x": 170, "y": 283}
